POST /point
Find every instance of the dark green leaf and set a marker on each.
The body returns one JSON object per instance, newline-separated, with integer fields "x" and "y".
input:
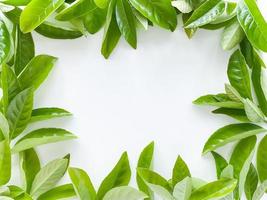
{"x": 94, "y": 20}
{"x": 36, "y": 71}
{"x": 19, "y": 112}
{"x": 238, "y": 74}
{"x": 159, "y": 12}
{"x": 262, "y": 159}
{"x": 180, "y": 171}
{"x": 220, "y": 163}
{"x": 238, "y": 114}
{"x": 30, "y": 166}
{"x": 231, "y": 133}
{"x": 119, "y": 176}
{"x": 126, "y": 21}
{"x": 251, "y": 182}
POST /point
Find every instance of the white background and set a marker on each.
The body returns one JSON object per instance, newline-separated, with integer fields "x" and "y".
{"x": 133, "y": 98}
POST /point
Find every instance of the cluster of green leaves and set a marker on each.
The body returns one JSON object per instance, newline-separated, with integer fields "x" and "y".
{"x": 244, "y": 100}
{"x": 21, "y": 75}
{"x": 71, "y": 19}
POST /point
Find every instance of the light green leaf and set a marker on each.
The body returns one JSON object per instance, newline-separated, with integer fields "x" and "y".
{"x": 19, "y": 112}
{"x": 102, "y": 3}
{"x": 231, "y": 133}
{"x": 238, "y": 114}
{"x": 48, "y": 176}
{"x": 183, "y": 5}
{"x": 4, "y": 127}
{"x": 232, "y": 93}
{"x": 262, "y": 159}
{"x": 36, "y": 12}
{"x": 197, "y": 183}
{"x": 159, "y": 12}
{"x": 41, "y": 114}
{"x": 30, "y": 166}
{"x": 82, "y": 184}
{"x": 76, "y": 9}
{"x": 40, "y": 137}
{"x": 220, "y": 163}
{"x": 251, "y": 182}
{"x": 24, "y": 50}
{"x": 145, "y": 161}
{"x": 5, "y": 43}
{"x": 254, "y": 114}
{"x": 219, "y": 100}
{"x": 126, "y": 21}
{"x": 36, "y": 71}
{"x": 95, "y": 20}
{"x": 227, "y": 172}
{"x": 55, "y": 31}
{"x": 59, "y": 192}
{"x": 5, "y": 162}
{"x": 232, "y": 35}
{"x": 260, "y": 191}
{"x": 253, "y": 23}
{"x": 183, "y": 189}
{"x": 119, "y": 176}
{"x": 206, "y": 13}
{"x": 124, "y": 192}
{"x": 238, "y": 74}
{"x": 160, "y": 192}
{"x": 240, "y": 160}
{"x": 180, "y": 171}
{"x": 141, "y": 20}
{"x": 216, "y": 189}
{"x": 190, "y": 32}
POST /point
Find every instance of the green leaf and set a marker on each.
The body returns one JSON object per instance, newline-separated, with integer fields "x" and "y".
{"x": 4, "y": 127}
{"x": 102, "y": 3}
{"x": 260, "y": 191}
{"x": 232, "y": 35}
{"x": 15, "y": 2}
{"x": 54, "y": 31}
{"x": 238, "y": 74}
{"x": 159, "y": 12}
{"x": 36, "y": 12}
{"x": 253, "y": 113}
{"x": 219, "y": 100}
{"x": 48, "y": 176}
{"x": 180, "y": 171}
{"x": 262, "y": 159}
{"x": 95, "y": 20}
{"x": 251, "y": 182}
{"x": 253, "y": 23}
{"x": 238, "y": 114}
{"x": 30, "y": 166}
{"x": 10, "y": 86}
{"x": 124, "y": 192}
{"x": 232, "y": 93}
{"x": 76, "y": 9}
{"x": 119, "y": 176}
{"x": 231, "y": 133}
{"x": 112, "y": 32}
{"x": 36, "y": 71}
{"x": 145, "y": 161}
{"x": 206, "y": 13}
{"x": 82, "y": 184}
{"x": 190, "y": 32}
{"x": 5, "y": 43}
{"x": 59, "y": 192}
{"x": 183, "y": 189}
{"x": 151, "y": 177}
{"x": 40, "y": 137}
{"x": 126, "y": 21}
{"x": 184, "y": 6}
{"x": 24, "y": 51}
{"x": 5, "y": 162}
{"x": 41, "y": 114}
{"x": 241, "y": 160}
{"x": 227, "y": 172}
{"x": 19, "y": 112}
{"x": 220, "y": 163}
{"x": 216, "y": 189}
